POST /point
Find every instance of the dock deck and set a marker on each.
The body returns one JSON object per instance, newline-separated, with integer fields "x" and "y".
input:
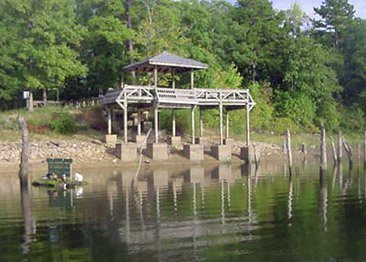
{"x": 149, "y": 96}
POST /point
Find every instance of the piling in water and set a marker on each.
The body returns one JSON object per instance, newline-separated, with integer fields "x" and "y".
{"x": 334, "y": 151}
{"x": 348, "y": 150}
{"x": 288, "y": 150}
{"x": 24, "y": 157}
{"x": 339, "y": 147}
{"x": 323, "y": 149}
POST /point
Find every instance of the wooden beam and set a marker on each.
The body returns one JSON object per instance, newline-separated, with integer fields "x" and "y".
{"x": 192, "y": 125}
{"x": 173, "y": 123}
{"x": 156, "y": 125}
{"x": 138, "y": 122}
{"x": 156, "y": 77}
{"x": 125, "y": 120}
{"x": 109, "y": 121}
{"x": 201, "y": 124}
{"x": 227, "y": 124}
{"x": 221, "y": 128}
{"x": 173, "y": 81}
{"x": 247, "y": 126}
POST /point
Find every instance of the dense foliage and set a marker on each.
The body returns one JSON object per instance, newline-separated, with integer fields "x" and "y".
{"x": 300, "y": 72}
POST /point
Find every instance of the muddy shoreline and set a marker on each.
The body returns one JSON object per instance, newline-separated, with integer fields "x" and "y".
{"x": 95, "y": 154}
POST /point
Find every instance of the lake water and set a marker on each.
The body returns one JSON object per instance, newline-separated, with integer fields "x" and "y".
{"x": 212, "y": 213}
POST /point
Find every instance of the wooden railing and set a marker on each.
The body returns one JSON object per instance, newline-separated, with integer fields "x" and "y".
{"x": 200, "y": 96}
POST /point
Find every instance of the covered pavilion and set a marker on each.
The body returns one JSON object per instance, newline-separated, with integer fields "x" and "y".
{"x": 135, "y": 98}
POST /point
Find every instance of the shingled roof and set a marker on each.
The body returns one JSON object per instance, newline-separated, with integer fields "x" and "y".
{"x": 166, "y": 62}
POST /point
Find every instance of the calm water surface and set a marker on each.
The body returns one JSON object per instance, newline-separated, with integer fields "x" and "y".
{"x": 195, "y": 213}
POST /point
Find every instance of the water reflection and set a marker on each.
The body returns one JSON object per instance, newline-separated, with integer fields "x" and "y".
{"x": 181, "y": 213}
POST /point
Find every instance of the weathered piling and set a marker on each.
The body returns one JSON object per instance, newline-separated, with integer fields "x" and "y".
{"x": 339, "y": 157}
{"x": 334, "y": 151}
{"x": 348, "y": 150}
{"x": 364, "y": 149}
{"x": 24, "y": 157}
{"x": 288, "y": 150}
{"x": 323, "y": 149}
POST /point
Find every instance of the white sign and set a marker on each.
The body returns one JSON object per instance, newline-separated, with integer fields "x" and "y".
{"x": 26, "y": 95}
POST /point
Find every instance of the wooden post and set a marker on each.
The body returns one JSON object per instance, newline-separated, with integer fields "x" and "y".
{"x": 156, "y": 113}
{"x": 138, "y": 122}
{"x": 155, "y": 77}
{"x": 109, "y": 121}
{"x": 173, "y": 123}
{"x": 113, "y": 119}
{"x": 323, "y": 149}
{"x": 201, "y": 124}
{"x": 192, "y": 80}
{"x": 192, "y": 125}
{"x": 30, "y": 105}
{"x": 339, "y": 147}
{"x": 247, "y": 127}
{"x": 221, "y": 129}
{"x": 348, "y": 150}
{"x": 227, "y": 124}
{"x": 288, "y": 149}
{"x": 334, "y": 151}
{"x": 24, "y": 156}
{"x": 173, "y": 80}
{"x": 364, "y": 149}
{"x": 156, "y": 118}
{"x": 125, "y": 120}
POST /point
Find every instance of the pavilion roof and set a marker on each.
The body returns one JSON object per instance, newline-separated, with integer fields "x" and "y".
{"x": 166, "y": 62}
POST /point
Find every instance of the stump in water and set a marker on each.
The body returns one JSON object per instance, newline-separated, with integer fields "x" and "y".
{"x": 24, "y": 157}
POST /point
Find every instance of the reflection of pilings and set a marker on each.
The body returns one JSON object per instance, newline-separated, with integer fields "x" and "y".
{"x": 324, "y": 200}
{"x": 249, "y": 199}
{"x": 127, "y": 216}
{"x": 27, "y": 217}
{"x": 334, "y": 176}
{"x": 222, "y": 202}
{"x": 110, "y": 192}
{"x": 289, "y": 201}
{"x": 340, "y": 175}
{"x": 194, "y": 200}
{"x": 202, "y": 196}
{"x": 228, "y": 196}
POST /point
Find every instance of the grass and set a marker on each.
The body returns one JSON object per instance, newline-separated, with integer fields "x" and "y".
{"x": 90, "y": 124}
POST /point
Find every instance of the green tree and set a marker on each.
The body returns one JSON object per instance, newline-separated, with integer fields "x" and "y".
{"x": 336, "y": 16}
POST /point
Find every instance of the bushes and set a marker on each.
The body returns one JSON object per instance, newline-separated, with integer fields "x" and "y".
{"x": 63, "y": 123}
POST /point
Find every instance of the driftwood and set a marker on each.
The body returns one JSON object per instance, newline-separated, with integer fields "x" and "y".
{"x": 24, "y": 157}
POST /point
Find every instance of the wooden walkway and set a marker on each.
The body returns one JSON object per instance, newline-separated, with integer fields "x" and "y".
{"x": 149, "y": 96}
